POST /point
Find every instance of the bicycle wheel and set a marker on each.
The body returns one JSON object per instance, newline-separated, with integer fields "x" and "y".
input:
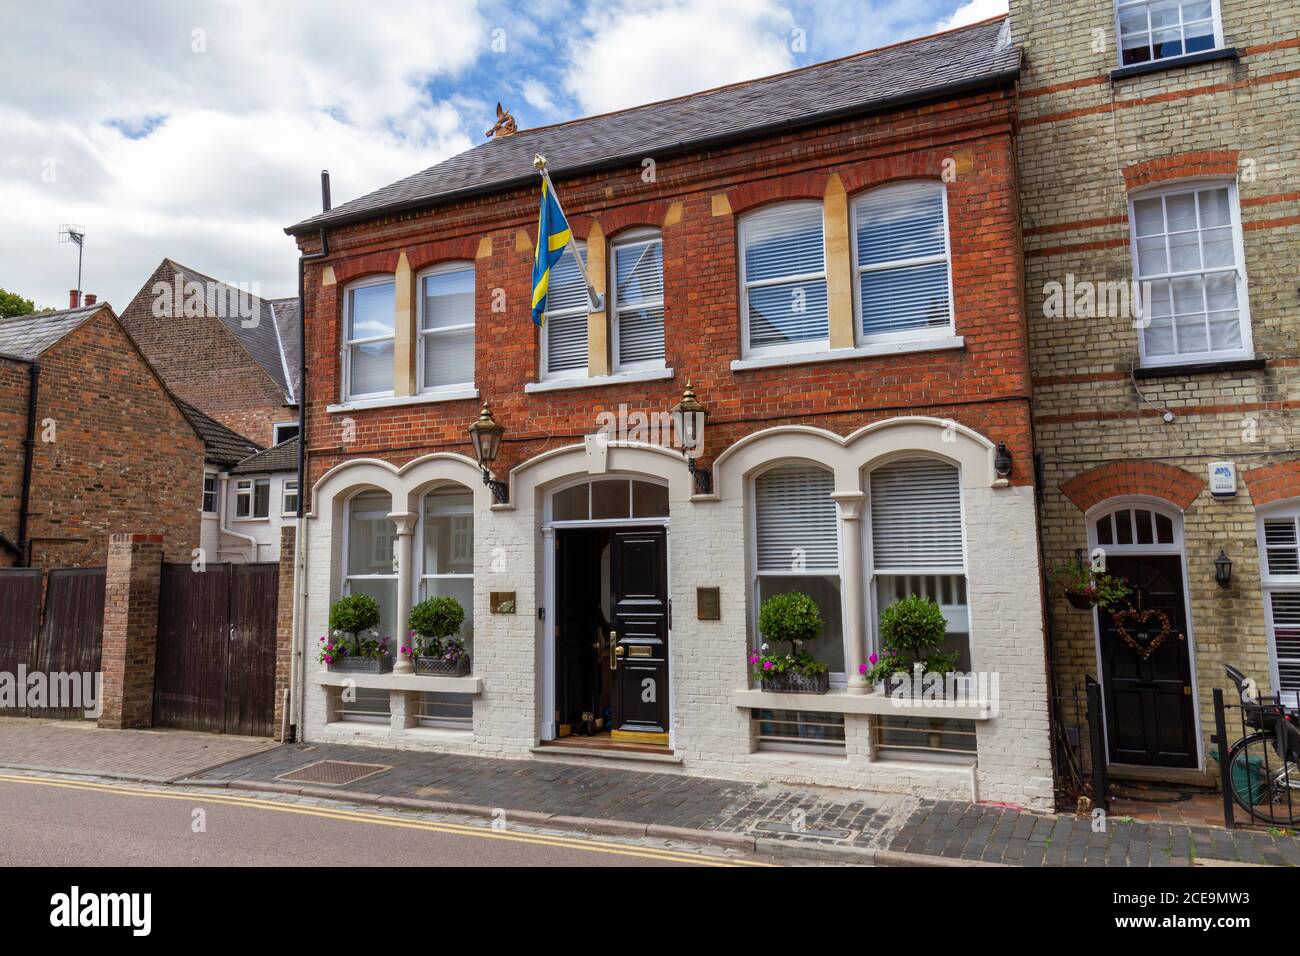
{"x": 1258, "y": 784}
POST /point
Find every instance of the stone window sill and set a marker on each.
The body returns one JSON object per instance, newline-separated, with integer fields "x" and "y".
{"x": 862, "y": 351}
{"x": 446, "y": 685}
{"x": 427, "y": 398}
{"x": 1198, "y": 368}
{"x": 595, "y": 381}
{"x": 1173, "y": 63}
{"x": 842, "y": 702}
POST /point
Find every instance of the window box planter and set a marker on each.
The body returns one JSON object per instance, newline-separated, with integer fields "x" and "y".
{"x": 792, "y": 683}
{"x": 362, "y": 665}
{"x": 441, "y": 668}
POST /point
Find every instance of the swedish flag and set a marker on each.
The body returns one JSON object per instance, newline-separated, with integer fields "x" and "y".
{"x": 553, "y": 234}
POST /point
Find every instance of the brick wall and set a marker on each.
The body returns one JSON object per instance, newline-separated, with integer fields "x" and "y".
{"x": 1084, "y": 141}
{"x": 203, "y": 364}
{"x": 113, "y": 453}
{"x": 14, "y": 385}
{"x": 985, "y": 385}
{"x": 130, "y": 644}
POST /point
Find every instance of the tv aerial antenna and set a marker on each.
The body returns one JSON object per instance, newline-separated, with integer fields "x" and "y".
{"x": 71, "y": 232}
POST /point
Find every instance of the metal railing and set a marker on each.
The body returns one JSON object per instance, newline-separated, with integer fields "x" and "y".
{"x": 1082, "y": 767}
{"x": 1259, "y": 773}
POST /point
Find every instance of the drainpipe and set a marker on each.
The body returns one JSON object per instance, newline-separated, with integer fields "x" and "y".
{"x": 29, "y": 453}
{"x": 297, "y": 669}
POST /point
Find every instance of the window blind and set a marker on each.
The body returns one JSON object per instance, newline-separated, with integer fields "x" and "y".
{"x": 566, "y": 316}
{"x": 902, "y": 258}
{"x": 1281, "y": 546}
{"x": 1285, "y": 607}
{"x": 785, "y": 275}
{"x": 916, "y": 517}
{"x": 639, "y": 301}
{"x": 797, "y": 520}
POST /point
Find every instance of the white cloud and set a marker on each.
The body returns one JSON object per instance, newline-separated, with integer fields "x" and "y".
{"x": 639, "y": 51}
{"x": 276, "y": 94}
{"x": 973, "y": 11}
{"x": 538, "y": 95}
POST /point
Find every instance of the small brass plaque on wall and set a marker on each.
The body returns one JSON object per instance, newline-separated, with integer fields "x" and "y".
{"x": 502, "y": 602}
{"x": 708, "y": 604}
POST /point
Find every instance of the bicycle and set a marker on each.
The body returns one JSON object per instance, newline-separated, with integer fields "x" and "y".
{"x": 1264, "y": 767}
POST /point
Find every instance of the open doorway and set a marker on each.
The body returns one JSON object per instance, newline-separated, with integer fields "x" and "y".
{"x": 611, "y": 637}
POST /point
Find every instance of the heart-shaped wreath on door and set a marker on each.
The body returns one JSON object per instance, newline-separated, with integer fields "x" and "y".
{"x": 1140, "y": 618}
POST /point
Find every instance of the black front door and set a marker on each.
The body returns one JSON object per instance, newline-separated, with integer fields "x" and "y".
{"x": 1150, "y": 718}
{"x": 639, "y": 587}
{"x": 578, "y": 632}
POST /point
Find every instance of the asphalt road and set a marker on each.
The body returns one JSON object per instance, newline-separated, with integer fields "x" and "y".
{"x": 61, "y": 822}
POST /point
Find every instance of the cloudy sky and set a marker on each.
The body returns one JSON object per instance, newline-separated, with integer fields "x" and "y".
{"x": 197, "y": 130}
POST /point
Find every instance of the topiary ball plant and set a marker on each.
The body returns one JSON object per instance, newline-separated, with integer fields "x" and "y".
{"x": 353, "y": 615}
{"x": 433, "y": 620}
{"x": 792, "y": 619}
{"x": 912, "y": 630}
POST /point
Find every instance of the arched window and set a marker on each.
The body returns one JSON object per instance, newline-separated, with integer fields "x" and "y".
{"x": 610, "y": 499}
{"x": 917, "y": 544}
{"x": 447, "y": 549}
{"x": 797, "y": 549}
{"x": 368, "y": 315}
{"x": 446, "y": 323}
{"x": 783, "y": 276}
{"x": 902, "y": 262}
{"x": 368, "y": 557}
{"x": 1138, "y": 526}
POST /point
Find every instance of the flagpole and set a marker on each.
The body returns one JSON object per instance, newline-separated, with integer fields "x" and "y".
{"x": 596, "y": 300}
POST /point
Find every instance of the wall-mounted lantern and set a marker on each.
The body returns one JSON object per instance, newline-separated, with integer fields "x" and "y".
{"x": 1002, "y": 461}
{"x": 689, "y": 416}
{"x": 486, "y": 435}
{"x": 1222, "y": 569}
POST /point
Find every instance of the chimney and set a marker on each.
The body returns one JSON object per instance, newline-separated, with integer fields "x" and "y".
{"x": 73, "y": 296}
{"x": 91, "y": 298}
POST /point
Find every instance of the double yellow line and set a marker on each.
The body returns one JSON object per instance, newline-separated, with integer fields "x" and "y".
{"x": 356, "y": 816}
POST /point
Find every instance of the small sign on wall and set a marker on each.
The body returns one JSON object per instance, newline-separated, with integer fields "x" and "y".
{"x": 501, "y": 602}
{"x": 1223, "y": 479}
{"x": 708, "y": 604}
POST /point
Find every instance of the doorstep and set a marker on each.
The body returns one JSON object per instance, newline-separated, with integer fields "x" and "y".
{"x": 563, "y": 754}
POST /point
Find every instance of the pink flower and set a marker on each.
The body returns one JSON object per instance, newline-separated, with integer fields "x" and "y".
{"x": 768, "y": 665}
{"x": 873, "y": 658}
{"x": 862, "y": 668}
{"x": 753, "y": 658}
{"x": 329, "y": 659}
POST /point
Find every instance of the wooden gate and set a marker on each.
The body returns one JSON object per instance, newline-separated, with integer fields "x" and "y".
{"x": 215, "y": 669}
{"x": 20, "y": 621}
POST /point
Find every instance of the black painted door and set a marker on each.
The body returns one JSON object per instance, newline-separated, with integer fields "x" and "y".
{"x": 1150, "y": 717}
{"x": 639, "y": 584}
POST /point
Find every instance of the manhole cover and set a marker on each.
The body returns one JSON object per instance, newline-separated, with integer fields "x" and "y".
{"x": 333, "y": 773}
{"x": 821, "y": 833}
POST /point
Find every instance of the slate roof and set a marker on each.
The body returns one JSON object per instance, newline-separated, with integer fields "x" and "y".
{"x": 281, "y": 457}
{"x": 973, "y": 57}
{"x": 285, "y": 312}
{"x": 221, "y": 446}
{"x": 268, "y": 341}
{"x": 27, "y": 336}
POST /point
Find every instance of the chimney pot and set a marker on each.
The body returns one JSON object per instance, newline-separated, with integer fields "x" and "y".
{"x": 73, "y": 298}
{"x": 91, "y": 298}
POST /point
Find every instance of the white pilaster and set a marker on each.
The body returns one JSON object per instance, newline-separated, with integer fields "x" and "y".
{"x": 850, "y": 503}
{"x": 403, "y": 557}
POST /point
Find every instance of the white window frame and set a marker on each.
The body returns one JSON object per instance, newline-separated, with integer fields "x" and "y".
{"x": 275, "y": 431}
{"x": 1119, "y": 39}
{"x": 1272, "y": 583}
{"x": 742, "y": 234}
{"x": 289, "y": 489}
{"x": 544, "y": 373}
{"x": 348, "y": 343}
{"x": 904, "y": 335}
{"x": 246, "y": 490}
{"x": 1247, "y": 350}
{"x": 872, "y": 574}
{"x": 838, "y": 679}
{"x": 421, "y": 571}
{"x": 634, "y": 237}
{"x": 215, "y": 493}
{"x": 443, "y": 268}
{"x": 345, "y": 573}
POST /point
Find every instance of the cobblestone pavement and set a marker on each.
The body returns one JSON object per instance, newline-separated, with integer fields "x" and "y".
{"x": 805, "y": 816}
{"x": 74, "y": 746}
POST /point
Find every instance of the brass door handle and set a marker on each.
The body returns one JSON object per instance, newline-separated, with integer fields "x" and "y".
{"x": 615, "y": 652}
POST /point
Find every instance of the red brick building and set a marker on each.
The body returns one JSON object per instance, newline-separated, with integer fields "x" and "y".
{"x": 110, "y": 452}
{"x": 831, "y": 258}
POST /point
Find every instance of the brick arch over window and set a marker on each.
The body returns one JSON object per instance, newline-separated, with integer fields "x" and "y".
{"x": 1268, "y": 484}
{"x": 1090, "y": 488}
{"x": 800, "y": 186}
{"x": 1221, "y": 162}
{"x": 376, "y": 263}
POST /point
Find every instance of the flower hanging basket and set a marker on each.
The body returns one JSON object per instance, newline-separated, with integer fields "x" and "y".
{"x": 1081, "y": 600}
{"x": 790, "y": 682}
{"x": 362, "y": 665}
{"x": 441, "y": 667}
